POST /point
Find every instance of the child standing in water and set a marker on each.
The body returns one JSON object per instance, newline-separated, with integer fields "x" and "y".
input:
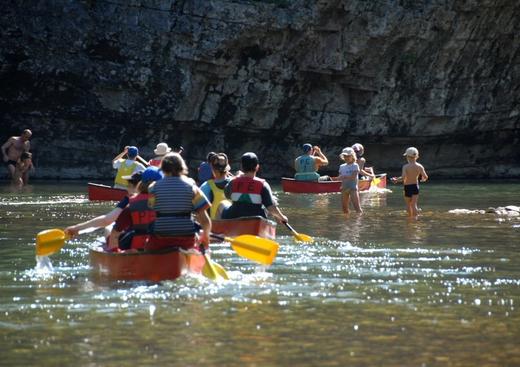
{"x": 411, "y": 174}
{"x": 23, "y": 167}
{"x": 348, "y": 175}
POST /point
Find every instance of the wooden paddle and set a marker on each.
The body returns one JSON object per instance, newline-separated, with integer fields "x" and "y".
{"x": 299, "y": 236}
{"x": 212, "y": 270}
{"x": 254, "y": 248}
{"x": 52, "y": 240}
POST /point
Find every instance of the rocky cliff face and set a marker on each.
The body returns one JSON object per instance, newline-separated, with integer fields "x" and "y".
{"x": 89, "y": 77}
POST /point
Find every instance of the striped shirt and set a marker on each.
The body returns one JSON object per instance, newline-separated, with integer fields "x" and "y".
{"x": 175, "y": 198}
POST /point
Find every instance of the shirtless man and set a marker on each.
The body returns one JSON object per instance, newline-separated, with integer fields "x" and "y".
{"x": 13, "y": 148}
{"x": 411, "y": 174}
{"x": 307, "y": 164}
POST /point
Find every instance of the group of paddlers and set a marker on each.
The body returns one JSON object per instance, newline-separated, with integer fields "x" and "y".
{"x": 165, "y": 207}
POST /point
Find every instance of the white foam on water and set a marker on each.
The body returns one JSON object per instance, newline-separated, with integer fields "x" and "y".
{"x": 43, "y": 265}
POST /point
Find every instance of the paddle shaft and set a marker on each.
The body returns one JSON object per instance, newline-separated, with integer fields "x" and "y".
{"x": 290, "y": 228}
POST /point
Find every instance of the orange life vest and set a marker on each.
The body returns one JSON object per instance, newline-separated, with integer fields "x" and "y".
{"x": 142, "y": 217}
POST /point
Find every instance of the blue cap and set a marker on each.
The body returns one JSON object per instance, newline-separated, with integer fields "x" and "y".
{"x": 306, "y": 147}
{"x": 132, "y": 152}
{"x": 152, "y": 174}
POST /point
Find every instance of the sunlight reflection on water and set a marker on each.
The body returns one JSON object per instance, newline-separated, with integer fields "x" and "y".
{"x": 445, "y": 286}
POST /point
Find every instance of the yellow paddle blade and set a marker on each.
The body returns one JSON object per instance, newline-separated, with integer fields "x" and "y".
{"x": 50, "y": 241}
{"x": 375, "y": 181}
{"x": 299, "y": 236}
{"x": 254, "y": 248}
{"x": 303, "y": 237}
{"x": 213, "y": 271}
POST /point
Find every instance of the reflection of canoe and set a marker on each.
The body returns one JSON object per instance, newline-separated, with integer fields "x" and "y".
{"x": 319, "y": 187}
{"x": 104, "y": 192}
{"x": 157, "y": 265}
{"x": 257, "y": 226}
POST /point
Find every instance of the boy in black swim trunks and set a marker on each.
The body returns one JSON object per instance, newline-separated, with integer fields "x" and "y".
{"x": 411, "y": 174}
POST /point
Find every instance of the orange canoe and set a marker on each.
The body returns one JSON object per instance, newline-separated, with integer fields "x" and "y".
{"x": 321, "y": 187}
{"x": 258, "y": 226}
{"x": 165, "y": 264}
{"x": 105, "y": 193}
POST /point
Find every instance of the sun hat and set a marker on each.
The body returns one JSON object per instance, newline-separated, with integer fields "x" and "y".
{"x": 249, "y": 161}
{"x": 220, "y": 163}
{"x": 152, "y": 174}
{"x": 132, "y": 152}
{"x": 162, "y": 149}
{"x": 411, "y": 152}
{"x": 306, "y": 147}
{"x": 135, "y": 177}
{"x": 347, "y": 151}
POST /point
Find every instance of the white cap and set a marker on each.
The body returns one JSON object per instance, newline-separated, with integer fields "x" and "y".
{"x": 347, "y": 151}
{"x": 411, "y": 152}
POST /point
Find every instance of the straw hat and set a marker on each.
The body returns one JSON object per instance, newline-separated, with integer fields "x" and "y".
{"x": 162, "y": 149}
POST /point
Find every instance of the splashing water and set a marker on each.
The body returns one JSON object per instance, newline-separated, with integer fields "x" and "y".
{"x": 43, "y": 265}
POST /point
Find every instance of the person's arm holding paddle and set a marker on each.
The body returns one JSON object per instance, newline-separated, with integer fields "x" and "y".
{"x": 201, "y": 204}
{"x": 100, "y": 221}
{"x": 271, "y": 205}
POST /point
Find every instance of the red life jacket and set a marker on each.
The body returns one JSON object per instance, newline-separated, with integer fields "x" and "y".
{"x": 142, "y": 216}
{"x": 155, "y": 162}
{"x": 246, "y": 189}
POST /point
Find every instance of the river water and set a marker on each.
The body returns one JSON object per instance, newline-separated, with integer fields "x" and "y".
{"x": 373, "y": 290}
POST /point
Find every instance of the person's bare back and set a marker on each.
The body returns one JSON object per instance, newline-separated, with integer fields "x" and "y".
{"x": 411, "y": 172}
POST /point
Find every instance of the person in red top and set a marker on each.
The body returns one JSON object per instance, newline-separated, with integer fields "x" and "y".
{"x": 132, "y": 227}
{"x": 249, "y": 194}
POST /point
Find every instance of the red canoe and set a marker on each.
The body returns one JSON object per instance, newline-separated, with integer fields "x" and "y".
{"x": 258, "y": 226}
{"x": 320, "y": 187}
{"x": 105, "y": 193}
{"x": 155, "y": 266}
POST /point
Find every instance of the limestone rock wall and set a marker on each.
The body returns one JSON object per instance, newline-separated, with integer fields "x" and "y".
{"x": 89, "y": 77}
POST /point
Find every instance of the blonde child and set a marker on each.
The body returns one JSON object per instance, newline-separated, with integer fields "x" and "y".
{"x": 412, "y": 172}
{"x": 348, "y": 175}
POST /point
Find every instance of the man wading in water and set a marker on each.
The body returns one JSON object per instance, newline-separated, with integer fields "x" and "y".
{"x": 13, "y": 148}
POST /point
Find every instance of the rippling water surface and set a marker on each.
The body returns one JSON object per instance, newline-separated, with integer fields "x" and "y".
{"x": 374, "y": 289}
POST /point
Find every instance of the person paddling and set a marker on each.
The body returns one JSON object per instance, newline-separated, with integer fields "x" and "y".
{"x": 109, "y": 218}
{"x": 126, "y": 167}
{"x": 175, "y": 198}
{"x": 250, "y": 195}
{"x": 214, "y": 188}
{"x": 133, "y": 226}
